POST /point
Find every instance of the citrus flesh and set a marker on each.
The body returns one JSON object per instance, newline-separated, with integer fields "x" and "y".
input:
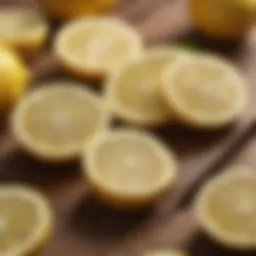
{"x": 95, "y": 47}
{"x": 23, "y": 29}
{"x": 56, "y": 120}
{"x": 134, "y": 90}
{"x": 128, "y": 169}
{"x": 205, "y": 91}
{"x": 26, "y": 220}
{"x": 226, "y": 208}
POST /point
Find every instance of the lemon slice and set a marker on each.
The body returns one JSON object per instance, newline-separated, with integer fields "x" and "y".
{"x": 26, "y": 220}
{"x": 133, "y": 91}
{"x": 226, "y": 208}
{"x": 128, "y": 169}
{"x": 23, "y": 29}
{"x": 55, "y": 121}
{"x": 205, "y": 91}
{"x": 95, "y": 47}
{"x": 165, "y": 253}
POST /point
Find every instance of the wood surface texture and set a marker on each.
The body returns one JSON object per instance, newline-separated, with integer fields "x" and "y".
{"x": 86, "y": 228}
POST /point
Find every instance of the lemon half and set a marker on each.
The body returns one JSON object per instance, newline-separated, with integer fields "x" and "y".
{"x": 26, "y": 220}
{"x": 128, "y": 169}
{"x": 23, "y": 29}
{"x": 133, "y": 91}
{"x": 226, "y": 208}
{"x": 55, "y": 121}
{"x": 205, "y": 91}
{"x": 95, "y": 47}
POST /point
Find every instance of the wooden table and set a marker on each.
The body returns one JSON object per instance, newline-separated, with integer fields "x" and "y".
{"x": 85, "y": 227}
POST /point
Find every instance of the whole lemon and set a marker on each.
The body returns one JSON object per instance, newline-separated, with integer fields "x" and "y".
{"x": 223, "y": 19}
{"x": 66, "y": 9}
{"x": 14, "y": 78}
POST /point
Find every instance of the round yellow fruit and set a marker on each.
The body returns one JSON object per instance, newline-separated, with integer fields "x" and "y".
{"x": 133, "y": 91}
{"x": 94, "y": 48}
{"x": 129, "y": 169}
{"x": 26, "y": 220}
{"x": 15, "y": 77}
{"x": 222, "y": 19}
{"x": 24, "y": 29}
{"x": 205, "y": 91}
{"x": 55, "y": 121}
{"x": 66, "y": 9}
{"x": 226, "y": 208}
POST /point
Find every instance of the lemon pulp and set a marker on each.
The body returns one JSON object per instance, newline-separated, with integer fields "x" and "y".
{"x": 96, "y": 47}
{"x": 134, "y": 90}
{"x": 128, "y": 169}
{"x": 56, "y": 120}
{"x": 205, "y": 91}
{"x": 227, "y": 208}
{"x": 23, "y": 29}
{"x": 25, "y": 220}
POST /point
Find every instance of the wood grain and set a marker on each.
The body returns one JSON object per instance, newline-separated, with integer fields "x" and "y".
{"x": 84, "y": 226}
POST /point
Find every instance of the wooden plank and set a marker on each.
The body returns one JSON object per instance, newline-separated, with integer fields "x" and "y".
{"x": 85, "y": 227}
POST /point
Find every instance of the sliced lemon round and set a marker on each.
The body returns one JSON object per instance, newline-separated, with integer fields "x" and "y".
{"x": 95, "y": 47}
{"x": 55, "y": 121}
{"x": 165, "y": 253}
{"x": 26, "y": 220}
{"x": 205, "y": 91}
{"x": 22, "y": 28}
{"x": 133, "y": 92}
{"x": 226, "y": 208}
{"x": 128, "y": 169}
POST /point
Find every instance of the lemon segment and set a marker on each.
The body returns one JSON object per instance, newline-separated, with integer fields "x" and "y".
{"x": 222, "y": 19}
{"x": 133, "y": 91}
{"x": 95, "y": 47}
{"x": 66, "y": 9}
{"x": 26, "y": 220}
{"x": 23, "y": 29}
{"x": 226, "y": 208}
{"x": 205, "y": 91}
{"x": 55, "y": 121}
{"x": 128, "y": 169}
{"x": 165, "y": 253}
